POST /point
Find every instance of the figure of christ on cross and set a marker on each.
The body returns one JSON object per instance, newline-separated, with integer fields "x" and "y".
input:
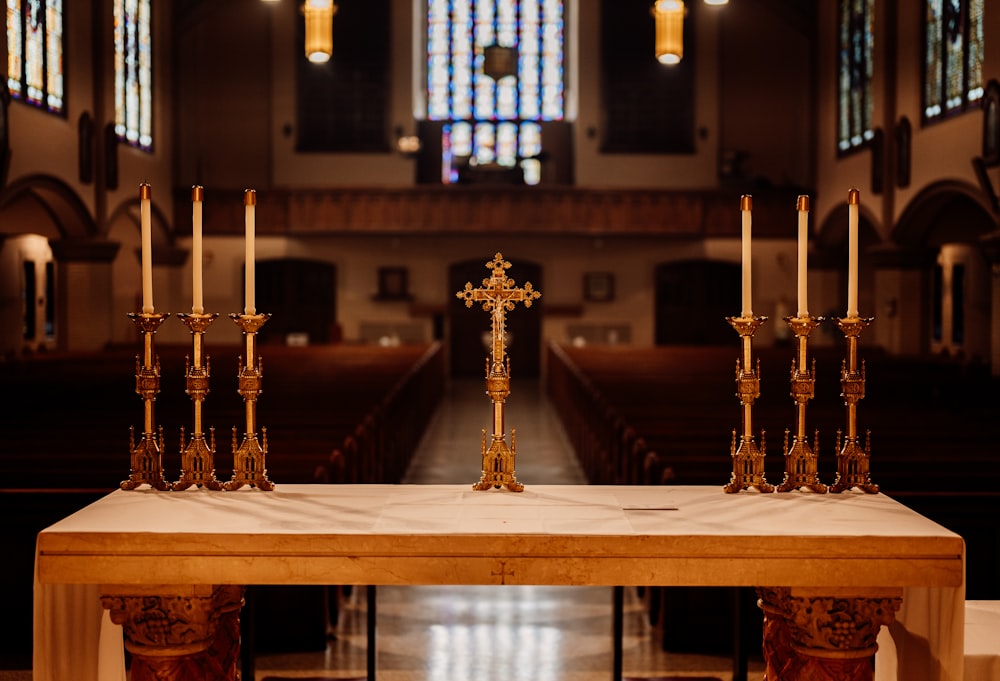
{"x": 498, "y": 296}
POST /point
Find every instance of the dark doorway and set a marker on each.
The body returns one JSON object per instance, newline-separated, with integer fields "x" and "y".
{"x": 301, "y": 296}
{"x": 470, "y": 326}
{"x": 693, "y": 299}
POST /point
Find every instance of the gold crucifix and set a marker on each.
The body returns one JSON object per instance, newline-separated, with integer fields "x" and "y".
{"x": 498, "y": 296}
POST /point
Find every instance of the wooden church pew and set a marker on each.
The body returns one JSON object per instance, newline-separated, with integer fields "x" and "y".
{"x": 933, "y": 426}
{"x": 67, "y": 441}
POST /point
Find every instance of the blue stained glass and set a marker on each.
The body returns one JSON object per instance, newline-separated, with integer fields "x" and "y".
{"x": 855, "y": 70}
{"x": 35, "y": 52}
{"x": 133, "y": 73}
{"x": 953, "y": 56}
{"x": 531, "y": 140}
{"x": 476, "y": 109}
{"x": 53, "y": 55}
{"x": 461, "y": 139}
{"x": 506, "y": 144}
{"x": 484, "y": 149}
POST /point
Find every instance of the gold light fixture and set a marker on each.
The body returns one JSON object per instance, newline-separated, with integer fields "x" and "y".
{"x": 319, "y": 29}
{"x": 669, "y": 16}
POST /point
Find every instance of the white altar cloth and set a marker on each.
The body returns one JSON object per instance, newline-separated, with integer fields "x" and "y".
{"x": 448, "y": 534}
{"x": 982, "y": 640}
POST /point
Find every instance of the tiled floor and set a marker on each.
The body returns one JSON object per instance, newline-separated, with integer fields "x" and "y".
{"x": 494, "y": 633}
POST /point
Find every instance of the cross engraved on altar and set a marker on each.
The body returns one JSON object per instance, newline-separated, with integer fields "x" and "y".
{"x": 503, "y": 573}
{"x": 498, "y": 296}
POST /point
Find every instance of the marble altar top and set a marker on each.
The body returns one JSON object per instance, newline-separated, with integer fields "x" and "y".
{"x": 548, "y": 534}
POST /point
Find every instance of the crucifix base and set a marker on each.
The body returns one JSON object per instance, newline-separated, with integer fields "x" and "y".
{"x": 498, "y": 464}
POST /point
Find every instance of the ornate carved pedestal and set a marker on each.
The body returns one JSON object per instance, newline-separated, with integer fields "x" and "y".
{"x": 194, "y": 634}
{"x": 823, "y": 634}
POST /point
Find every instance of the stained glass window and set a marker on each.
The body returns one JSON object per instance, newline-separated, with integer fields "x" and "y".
{"x": 35, "y": 52}
{"x": 854, "y": 84}
{"x": 487, "y": 121}
{"x": 953, "y": 56}
{"x": 133, "y": 73}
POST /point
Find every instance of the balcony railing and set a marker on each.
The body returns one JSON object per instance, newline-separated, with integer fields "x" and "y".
{"x": 467, "y": 210}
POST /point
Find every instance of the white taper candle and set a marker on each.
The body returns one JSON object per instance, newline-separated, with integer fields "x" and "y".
{"x": 746, "y": 205}
{"x": 853, "y": 200}
{"x": 250, "y": 201}
{"x": 145, "y": 221}
{"x": 197, "y": 292}
{"x": 802, "y": 205}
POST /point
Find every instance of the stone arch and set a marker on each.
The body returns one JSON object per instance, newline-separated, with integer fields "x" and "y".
{"x": 923, "y": 222}
{"x": 49, "y": 205}
{"x": 943, "y": 229}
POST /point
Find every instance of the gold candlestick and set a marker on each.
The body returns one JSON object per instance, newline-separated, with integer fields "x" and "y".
{"x": 800, "y": 460}
{"x": 748, "y": 460}
{"x": 147, "y": 466}
{"x": 249, "y": 457}
{"x": 498, "y": 296}
{"x": 853, "y": 459}
{"x": 197, "y": 455}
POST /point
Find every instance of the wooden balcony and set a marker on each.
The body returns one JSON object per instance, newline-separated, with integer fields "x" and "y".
{"x": 466, "y": 210}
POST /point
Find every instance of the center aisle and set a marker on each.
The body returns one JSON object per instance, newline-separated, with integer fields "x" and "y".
{"x": 492, "y": 633}
{"x": 450, "y": 452}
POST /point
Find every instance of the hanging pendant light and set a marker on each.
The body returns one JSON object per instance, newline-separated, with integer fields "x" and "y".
{"x": 319, "y": 29}
{"x": 669, "y": 17}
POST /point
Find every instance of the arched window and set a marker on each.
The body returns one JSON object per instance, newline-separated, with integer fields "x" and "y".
{"x": 133, "y": 73}
{"x": 854, "y": 82}
{"x": 35, "y": 52}
{"x": 494, "y": 120}
{"x": 953, "y": 57}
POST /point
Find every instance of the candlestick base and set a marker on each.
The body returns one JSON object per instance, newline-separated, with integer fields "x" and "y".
{"x": 853, "y": 462}
{"x": 248, "y": 463}
{"x": 146, "y": 462}
{"x": 146, "y": 459}
{"x": 801, "y": 466}
{"x": 748, "y": 465}
{"x": 198, "y": 463}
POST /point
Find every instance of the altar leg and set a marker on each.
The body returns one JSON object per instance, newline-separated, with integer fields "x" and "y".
{"x": 823, "y": 634}
{"x": 179, "y": 634}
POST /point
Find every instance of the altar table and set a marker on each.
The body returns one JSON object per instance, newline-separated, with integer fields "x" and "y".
{"x": 170, "y": 566}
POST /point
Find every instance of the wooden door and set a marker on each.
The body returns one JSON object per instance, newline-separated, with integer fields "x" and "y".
{"x": 301, "y": 297}
{"x": 693, "y": 299}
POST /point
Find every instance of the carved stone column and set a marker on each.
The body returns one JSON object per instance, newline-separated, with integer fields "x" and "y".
{"x": 180, "y": 634}
{"x": 823, "y": 634}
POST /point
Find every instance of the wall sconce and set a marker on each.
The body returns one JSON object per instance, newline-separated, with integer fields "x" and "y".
{"x": 669, "y": 17}
{"x": 319, "y": 30}
{"x": 499, "y": 61}
{"x": 407, "y": 145}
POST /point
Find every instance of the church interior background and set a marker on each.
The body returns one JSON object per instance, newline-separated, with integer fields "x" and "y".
{"x": 386, "y": 178}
